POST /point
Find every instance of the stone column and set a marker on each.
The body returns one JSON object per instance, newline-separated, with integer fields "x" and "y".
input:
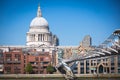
{"x": 36, "y": 37}
{"x": 89, "y": 66}
{"x": 109, "y": 64}
{"x": 78, "y": 67}
{"x": 84, "y": 66}
{"x": 97, "y": 68}
{"x": 46, "y": 37}
{"x": 116, "y": 64}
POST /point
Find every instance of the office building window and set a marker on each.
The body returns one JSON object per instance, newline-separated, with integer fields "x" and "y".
{"x": 82, "y": 70}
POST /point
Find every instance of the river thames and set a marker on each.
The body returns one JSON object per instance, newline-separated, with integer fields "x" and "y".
{"x": 63, "y": 79}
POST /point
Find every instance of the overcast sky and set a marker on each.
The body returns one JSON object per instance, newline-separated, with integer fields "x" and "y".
{"x": 70, "y": 20}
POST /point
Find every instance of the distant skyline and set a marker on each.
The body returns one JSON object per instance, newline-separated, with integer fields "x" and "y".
{"x": 70, "y": 20}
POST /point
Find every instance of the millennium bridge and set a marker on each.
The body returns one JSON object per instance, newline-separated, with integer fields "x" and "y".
{"x": 111, "y": 46}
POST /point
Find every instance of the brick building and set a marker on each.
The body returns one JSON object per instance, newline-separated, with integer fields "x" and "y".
{"x": 39, "y": 62}
{"x": 13, "y": 61}
{"x": 16, "y": 60}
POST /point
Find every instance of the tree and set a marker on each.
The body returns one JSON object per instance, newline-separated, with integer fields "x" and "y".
{"x": 29, "y": 68}
{"x": 50, "y": 69}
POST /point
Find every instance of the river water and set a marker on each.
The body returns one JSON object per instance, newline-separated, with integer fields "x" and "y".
{"x": 64, "y": 79}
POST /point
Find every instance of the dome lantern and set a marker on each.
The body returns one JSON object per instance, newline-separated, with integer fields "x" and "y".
{"x": 39, "y": 14}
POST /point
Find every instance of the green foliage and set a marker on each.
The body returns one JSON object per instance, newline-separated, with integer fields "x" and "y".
{"x": 50, "y": 69}
{"x": 29, "y": 68}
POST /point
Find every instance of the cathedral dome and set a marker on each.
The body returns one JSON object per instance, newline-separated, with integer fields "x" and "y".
{"x": 39, "y": 21}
